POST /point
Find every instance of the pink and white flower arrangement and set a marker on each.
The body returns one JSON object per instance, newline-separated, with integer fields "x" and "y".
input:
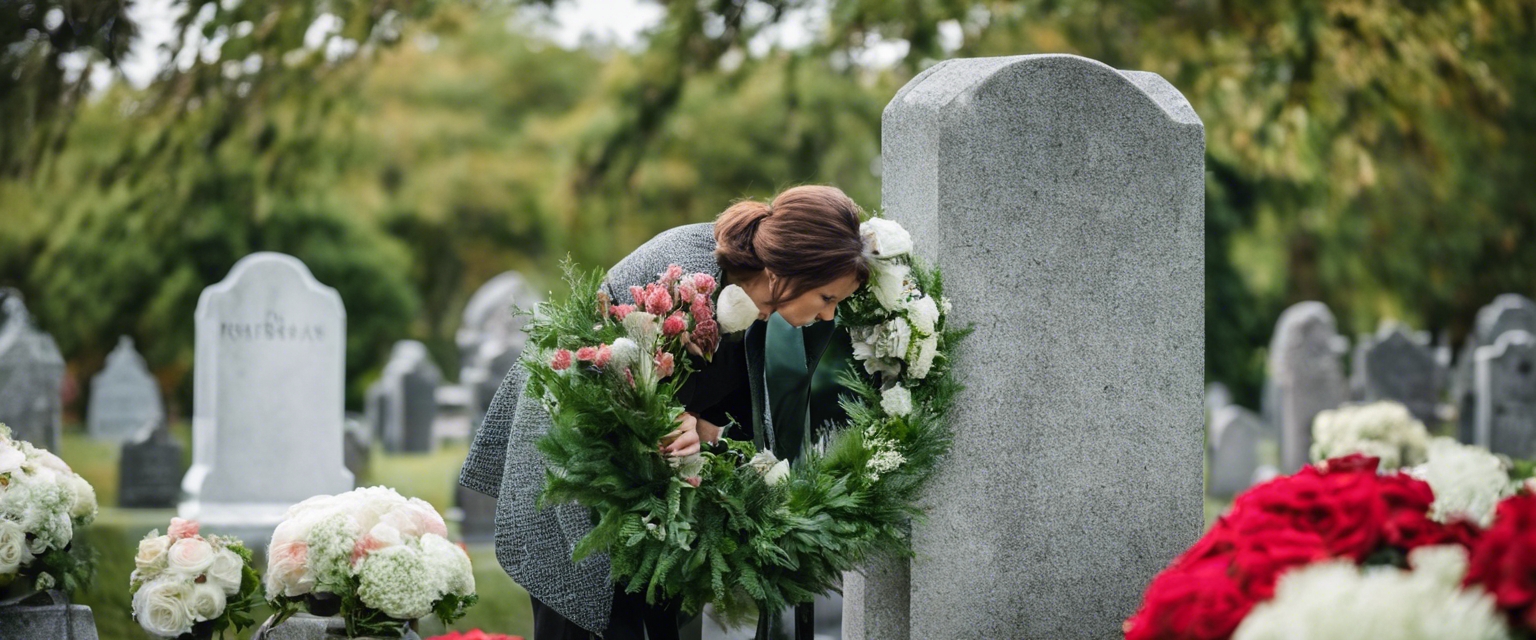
{"x": 370, "y": 555}
{"x": 42, "y": 502}
{"x": 187, "y": 583}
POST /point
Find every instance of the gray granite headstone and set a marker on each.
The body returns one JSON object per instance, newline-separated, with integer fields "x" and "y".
{"x": 267, "y": 396}
{"x": 490, "y": 338}
{"x": 150, "y": 470}
{"x": 409, "y": 402}
{"x": 1217, "y": 395}
{"x": 358, "y": 449}
{"x": 303, "y": 626}
{"x": 124, "y": 396}
{"x": 1233, "y": 443}
{"x": 46, "y": 615}
{"x": 1396, "y": 365}
{"x": 1308, "y": 377}
{"x": 1064, "y": 200}
{"x": 1508, "y": 312}
{"x": 31, "y": 376}
{"x": 1506, "y": 395}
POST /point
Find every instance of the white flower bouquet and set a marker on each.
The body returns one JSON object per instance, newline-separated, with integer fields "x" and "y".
{"x": 192, "y": 586}
{"x": 371, "y": 556}
{"x": 1468, "y": 481}
{"x": 42, "y": 502}
{"x": 1383, "y": 430}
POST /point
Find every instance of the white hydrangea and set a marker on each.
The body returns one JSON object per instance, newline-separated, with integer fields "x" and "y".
{"x": 735, "y": 310}
{"x": 1385, "y": 430}
{"x": 922, "y": 361}
{"x": 40, "y": 496}
{"x": 1338, "y": 600}
{"x": 896, "y": 401}
{"x": 1468, "y": 481}
{"x": 330, "y": 545}
{"x": 884, "y": 238}
{"x": 391, "y": 580}
{"x": 450, "y": 563}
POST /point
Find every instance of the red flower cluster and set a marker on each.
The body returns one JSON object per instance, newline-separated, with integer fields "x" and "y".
{"x": 1504, "y": 562}
{"x": 474, "y": 635}
{"x": 1342, "y": 510}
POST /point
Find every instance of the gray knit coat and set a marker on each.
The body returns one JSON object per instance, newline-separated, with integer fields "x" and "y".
{"x": 534, "y": 546}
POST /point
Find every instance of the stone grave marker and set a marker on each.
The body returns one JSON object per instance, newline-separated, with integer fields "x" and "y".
{"x": 1506, "y": 395}
{"x": 1396, "y": 365}
{"x": 150, "y": 469}
{"x": 1073, "y": 191}
{"x": 1308, "y": 377}
{"x": 1233, "y": 445}
{"x": 358, "y": 449}
{"x": 1506, "y": 313}
{"x": 31, "y": 376}
{"x": 490, "y": 338}
{"x": 124, "y": 396}
{"x": 408, "y": 395}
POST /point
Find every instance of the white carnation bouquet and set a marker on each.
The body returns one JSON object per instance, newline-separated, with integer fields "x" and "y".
{"x": 42, "y": 502}
{"x": 187, "y": 584}
{"x": 371, "y": 556}
{"x": 1468, "y": 481}
{"x": 1384, "y": 430}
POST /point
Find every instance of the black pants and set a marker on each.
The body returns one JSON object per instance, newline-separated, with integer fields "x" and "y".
{"x": 632, "y": 619}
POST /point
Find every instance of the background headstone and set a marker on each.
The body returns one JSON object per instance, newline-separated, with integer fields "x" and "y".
{"x": 1508, "y": 312}
{"x": 1396, "y": 365}
{"x": 1233, "y": 444}
{"x": 31, "y": 376}
{"x": 124, "y": 396}
{"x": 267, "y": 396}
{"x": 490, "y": 338}
{"x": 1217, "y": 395}
{"x": 1064, "y": 201}
{"x": 409, "y": 395}
{"x": 1506, "y": 395}
{"x": 150, "y": 469}
{"x": 358, "y": 448}
{"x": 1308, "y": 377}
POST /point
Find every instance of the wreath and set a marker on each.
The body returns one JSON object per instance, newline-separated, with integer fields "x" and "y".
{"x": 732, "y": 525}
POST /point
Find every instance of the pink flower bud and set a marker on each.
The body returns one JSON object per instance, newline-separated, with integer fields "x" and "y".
{"x": 673, "y": 325}
{"x": 181, "y": 528}
{"x": 664, "y": 364}
{"x": 561, "y": 361}
{"x": 586, "y": 354}
{"x": 621, "y": 310}
{"x": 658, "y": 302}
{"x": 704, "y": 282}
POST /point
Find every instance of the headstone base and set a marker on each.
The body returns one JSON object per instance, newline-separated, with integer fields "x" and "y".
{"x": 252, "y": 522}
{"x": 303, "y": 626}
{"x": 46, "y": 616}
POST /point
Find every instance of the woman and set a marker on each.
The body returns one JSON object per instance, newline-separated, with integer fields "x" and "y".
{"x": 798, "y": 256}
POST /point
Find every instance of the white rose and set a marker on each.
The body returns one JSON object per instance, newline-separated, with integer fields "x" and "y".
{"x": 45, "y": 459}
{"x": 777, "y": 474}
{"x": 386, "y": 534}
{"x": 923, "y": 362}
{"x": 13, "y": 548}
{"x": 287, "y": 570}
{"x": 884, "y": 238}
{"x": 890, "y": 284}
{"x": 924, "y": 314}
{"x": 189, "y": 556}
{"x": 735, "y": 310}
{"x": 85, "y": 497}
{"x": 151, "y": 552}
{"x": 206, "y": 602}
{"x": 161, "y": 607}
{"x": 225, "y": 571}
{"x": 11, "y": 458}
{"x": 896, "y": 401}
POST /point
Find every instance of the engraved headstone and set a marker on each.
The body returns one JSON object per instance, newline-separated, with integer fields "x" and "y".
{"x": 1233, "y": 444}
{"x": 1308, "y": 377}
{"x": 31, "y": 376}
{"x": 1078, "y": 190}
{"x": 1506, "y": 395}
{"x": 409, "y": 400}
{"x": 1508, "y": 312}
{"x": 150, "y": 470}
{"x": 267, "y": 396}
{"x": 124, "y": 396}
{"x": 46, "y": 615}
{"x": 490, "y": 337}
{"x": 1396, "y": 365}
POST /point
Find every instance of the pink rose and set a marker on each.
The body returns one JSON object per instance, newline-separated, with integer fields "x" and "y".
{"x": 701, "y": 308}
{"x": 658, "y": 301}
{"x": 671, "y": 275}
{"x": 704, "y": 282}
{"x": 286, "y": 574}
{"x": 673, "y": 325}
{"x": 664, "y": 364}
{"x": 602, "y": 356}
{"x": 693, "y": 481}
{"x": 586, "y": 354}
{"x": 561, "y": 361}
{"x": 181, "y": 528}
{"x": 621, "y": 310}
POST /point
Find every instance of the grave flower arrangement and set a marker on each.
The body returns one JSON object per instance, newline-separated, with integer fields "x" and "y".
{"x": 1384, "y": 430}
{"x": 1342, "y": 546}
{"x": 187, "y": 585}
{"x": 735, "y": 526}
{"x": 371, "y": 556}
{"x": 42, "y": 503}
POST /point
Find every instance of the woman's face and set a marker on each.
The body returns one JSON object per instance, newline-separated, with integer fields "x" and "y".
{"x": 819, "y": 303}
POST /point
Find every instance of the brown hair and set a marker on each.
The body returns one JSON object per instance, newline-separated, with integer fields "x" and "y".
{"x": 807, "y": 236}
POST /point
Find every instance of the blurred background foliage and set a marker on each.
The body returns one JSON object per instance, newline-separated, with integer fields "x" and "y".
{"x": 1372, "y": 154}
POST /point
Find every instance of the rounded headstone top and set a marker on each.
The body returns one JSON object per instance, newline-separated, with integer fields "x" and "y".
{"x": 1306, "y": 330}
{"x": 273, "y": 266}
{"x": 1507, "y": 312}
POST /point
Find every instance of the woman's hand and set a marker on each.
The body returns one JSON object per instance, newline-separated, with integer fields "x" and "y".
{"x": 684, "y": 440}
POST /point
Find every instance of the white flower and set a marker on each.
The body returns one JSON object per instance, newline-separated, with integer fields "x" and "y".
{"x": 386, "y": 534}
{"x": 1467, "y": 481}
{"x": 643, "y": 328}
{"x": 450, "y": 563}
{"x": 287, "y": 570}
{"x": 225, "y": 571}
{"x": 896, "y": 401}
{"x": 1329, "y": 600}
{"x": 864, "y": 341}
{"x": 151, "y": 556}
{"x": 777, "y": 473}
{"x": 84, "y": 498}
{"x": 330, "y": 551}
{"x": 1384, "y": 430}
{"x": 13, "y": 548}
{"x": 924, "y": 315}
{"x": 11, "y": 458}
{"x": 735, "y": 310}
{"x": 945, "y": 306}
{"x": 189, "y": 556}
{"x": 206, "y": 602}
{"x": 884, "y": 238}
{"x": 391, "y": 581}
{"x": 626, "y": 354}
{"x": 763, "y": 461}
{"x": 893, "y": 339}
{"x": 890, "y": 284}
{"x": 922, "y": 362}
{"x": 161, "y": 607}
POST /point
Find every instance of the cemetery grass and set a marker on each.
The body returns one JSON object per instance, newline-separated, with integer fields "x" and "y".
{"x": 503, "y": 606}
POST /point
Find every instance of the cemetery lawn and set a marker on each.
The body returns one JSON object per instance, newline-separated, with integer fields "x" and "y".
{"x": 503, "y": 606}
